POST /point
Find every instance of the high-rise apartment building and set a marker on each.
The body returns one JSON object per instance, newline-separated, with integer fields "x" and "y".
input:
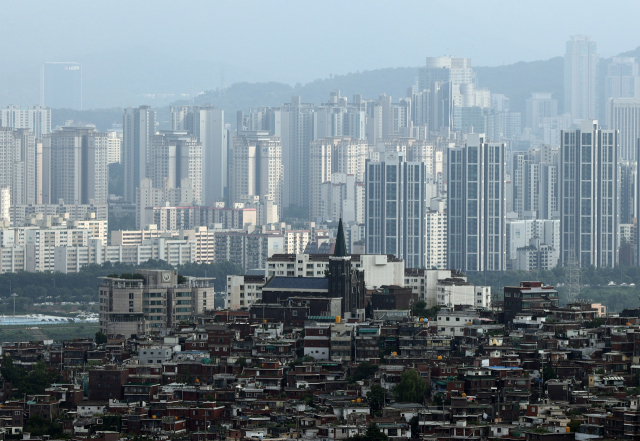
{"x": 138, "y": 128}
{"x": 628, "y": 188}
{"x": 327, "y": 156}
{"x": 395, "y": 208}
{"x": 624, "y": 116}
{"x": 19, "y": 167}
{"x": 476, "y": 205}
{"x": 206, "y": 123}
{"x": 319, "y": 172}
{"x": 622, "y": 81}
{"x": 36, "y": 119}
{"x": 5, "y": 204}
{"x": 175, "y": 162}
{"x": 588, "y": 182}
{"x": 114, "y": 155}
{"x": 457, "y": 71}
{"x": 539, "y": 106}
{"x": 580, "y": 73}
{"x": 256, "y": 167}
{"x": 435, "y": 240}
{"x": 532, "y": 244}
{"x": 75, "y": 166}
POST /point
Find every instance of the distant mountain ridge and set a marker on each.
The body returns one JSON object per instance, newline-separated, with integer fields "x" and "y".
{"x": 517, "y": 81}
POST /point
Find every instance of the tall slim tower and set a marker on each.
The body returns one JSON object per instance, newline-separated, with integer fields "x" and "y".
{"x": 580, "y": 72}
{"x": 588, "y": 182}
{"x": 206, "y": 123}
{"x": 395, "y": 208}
{"x": 476, "y": 206}
{"x": 138, "y": 127}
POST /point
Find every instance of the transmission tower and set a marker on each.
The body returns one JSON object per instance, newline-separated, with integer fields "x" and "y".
{"x": 572, "y": 278}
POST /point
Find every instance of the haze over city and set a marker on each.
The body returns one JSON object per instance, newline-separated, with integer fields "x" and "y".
{"x": 319, "y": 221}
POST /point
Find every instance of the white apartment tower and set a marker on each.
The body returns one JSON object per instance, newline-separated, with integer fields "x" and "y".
{"x": 206, "y": 123}
{"x": 540, "y": 106}
{"x": 139, "y": 125}
{"x": 580, "y": 72}
{"x": 622, "y": 81}
{"x": 114, "y": 147}
{"x": 175, "y": 162}
{"x": 476, "y": 205}
{"x": 588, "y": 183}
{"x": 36, "y": 119}
{"x": 19, "y": 168}
{"x": 5, "y": 204}
{"x": 624, "y": 116}
{"x": 256, "y": 167}
{"x": 457, "y": 71}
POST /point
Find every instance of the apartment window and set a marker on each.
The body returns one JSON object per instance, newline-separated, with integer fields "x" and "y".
{"x": 130, "y": 295}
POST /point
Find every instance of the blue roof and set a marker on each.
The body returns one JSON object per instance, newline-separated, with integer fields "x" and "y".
{"x": 301, "y": 283}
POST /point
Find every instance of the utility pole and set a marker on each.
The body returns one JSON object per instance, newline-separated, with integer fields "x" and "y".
{"x": 14, "y": 295}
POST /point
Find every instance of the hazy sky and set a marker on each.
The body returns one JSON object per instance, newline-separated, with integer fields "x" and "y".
{"x": 291, "y": 41}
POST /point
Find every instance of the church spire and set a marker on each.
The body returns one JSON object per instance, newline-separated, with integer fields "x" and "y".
{"x": 340, "y": 249}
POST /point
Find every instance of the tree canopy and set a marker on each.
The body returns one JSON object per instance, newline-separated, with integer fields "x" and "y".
{"x": 412, "y": 387}
{"x": 28, "y": 382}
{"x": 363, "y": 371}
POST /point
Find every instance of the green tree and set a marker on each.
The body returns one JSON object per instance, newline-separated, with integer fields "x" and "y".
{"x": 375, "y": 397}
{"x": 549, "y": 373}
{"x": 38, "y": 426}
{"x": 30, "y": 382}
{"x": 100, "y": 338}
{"x": 363, "y": 371}
{"x": 411, "y": 387}
{"x": 414, "y": 422}
{"x": 574, "y": 425}
{"x": 242, "y": 362}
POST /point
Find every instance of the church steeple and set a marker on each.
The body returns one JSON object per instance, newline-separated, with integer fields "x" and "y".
{"x": 340, "y": 249}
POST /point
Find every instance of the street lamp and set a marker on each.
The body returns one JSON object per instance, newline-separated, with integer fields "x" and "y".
{"x": 14, "y": 295}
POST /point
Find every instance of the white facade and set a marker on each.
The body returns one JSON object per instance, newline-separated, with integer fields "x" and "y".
{"x": 19, "y": 168}
{"x": 319, "y": 173}
{"x": 175, "y": 162}
{"x": 342, "y": 197}
{"x": 624, "y": 116}
{"x": 435, "y": 255}
{"x": 532, "y": 235}
{"x": 243, "y": 291}
{"x": 378, "y": 269}
{"x": 451, "y": 323}
{"x": 462, "y": 293}
{"x": 5, "y": 204}
{"x": 256, "y": 167}
{"x": 114, "y": 147}
{"x": 580, "y": 73}
{"x": 36, "y": 119}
